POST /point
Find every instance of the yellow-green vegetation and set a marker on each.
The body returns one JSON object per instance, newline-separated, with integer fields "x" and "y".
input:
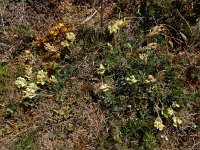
{"x": 126, "y": 77}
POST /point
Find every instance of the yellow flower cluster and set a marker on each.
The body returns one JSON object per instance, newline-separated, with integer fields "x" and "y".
{"x": 20, "y": 82}
{"x": 50, "y": 47}
{"x": 143, "y": 57}
{"x": 30, "y": 88}
{"x": 158, "y": 124}
{"x": 150, "y": 79}
{"x": 151, "y": 46}
{"x": 70, "y": 36}
{"x": 116, "y": 26}
{"x": 105, "y": 87}
{"x": 53, "y": 79}
{"x": 56, "y": 29}
{"x": 176, "y": 121}
{"x": 168, "y": 112}
{"x": 28, "y": 73}
{"x": 41, "y": 77}
{"x": 101, "y": 70}
{"x": 29, "y": 84}
{"x": 39, "y": 41}
{"x": 30, "y": 91}
{"x": 131, "y": 80}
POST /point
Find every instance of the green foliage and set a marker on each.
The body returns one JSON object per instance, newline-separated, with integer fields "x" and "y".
{"x": 25, "y": 142}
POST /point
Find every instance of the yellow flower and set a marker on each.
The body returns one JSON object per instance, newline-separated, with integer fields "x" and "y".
{"x": 104, "y": 87}
{"x": 101, "y": 70}
{"x": 61, "y": 25}
{"x": 131, "y": 79}
{"x": 49, "y": 47}
{"x": 65, "y": 43}
{"x": 27, "y": 52}
{"x": 41, "y": 77}
{"x": 30, "y": 91}
{"x": 70, "y": 36}
{"x": 151, "y": 46}
{"x": 150, "y": 79}
{"x": 158, "y": 124}
{"x": 144, "y": 57}
{"x": 176, "y": 121}
{"x": 118, "y": 24}
{"x": 113, "y": 29}
{"x": 53, "y": 79}
{"x": 168, "y": 112}
{"x": 156, "y": 30}
{"x": 53, "y": 33}
{"x": 28, "y": 73}
{"x": 110, "y": 46}
{"x": 20, "y": 82}
{"x": 175, "y": 105}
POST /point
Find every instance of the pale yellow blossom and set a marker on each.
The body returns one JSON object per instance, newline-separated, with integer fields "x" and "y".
{"x": 50, "y": 47}
{"x": 150, "y": 79}
{"x": 104, "y": 87}
{"x": 65, "y": 43}
{"x": 116, "y": 26}
{"x": 151, "y": 46}
{"x": 176, "y": 121}
{"x": 168, "y": 112}
{"x": 101, "y": 70}
{"x": 28, "y": 72}
{"x": 41, "y": 77}
{"x": 175, "y": 105}
{"x": 158, "y": 124}
{"x": 30, "y": 90}
{"x": 144, "y": 57}
{"x": 70, "y": 36}
{"x": 113, "y": 28}
{"x": 53, "y": 79}
{"x": 20, "y": 82}
{"x": 131, "y": 80}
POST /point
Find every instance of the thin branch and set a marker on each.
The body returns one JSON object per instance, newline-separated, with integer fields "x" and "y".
{"x": 90, "y": 17}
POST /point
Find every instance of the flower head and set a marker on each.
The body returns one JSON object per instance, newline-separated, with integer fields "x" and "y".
{"x": 30, "y": 91}
{"x": 150, "y": 79}
{"x": 113, "y": 28}
{"x": 116, "y": 26}
{"x": 28, "y": 73}
{"x": 41, "y": 77}
{"x": 175, "y": 105}
{"x": 143, "y": 57}
{"x": 70, "y": 36}
{"x": 50, "y": 47}
{"x": 20, "y": 82}
{"x": 158, "y": 124}
{"x": 104, "y": 87}
{"x": 131, "y": 80}
{"x": 101, "y": 70}
{"x": 65, "y": 43}
{"x": 176, "y": 121}
{"x": 53, "y": 79}
{"x": 151, "y": 46}
{"x": 168, "y": 112}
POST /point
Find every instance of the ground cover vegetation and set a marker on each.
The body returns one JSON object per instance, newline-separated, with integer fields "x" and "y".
{"x": 107, "y": 74}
